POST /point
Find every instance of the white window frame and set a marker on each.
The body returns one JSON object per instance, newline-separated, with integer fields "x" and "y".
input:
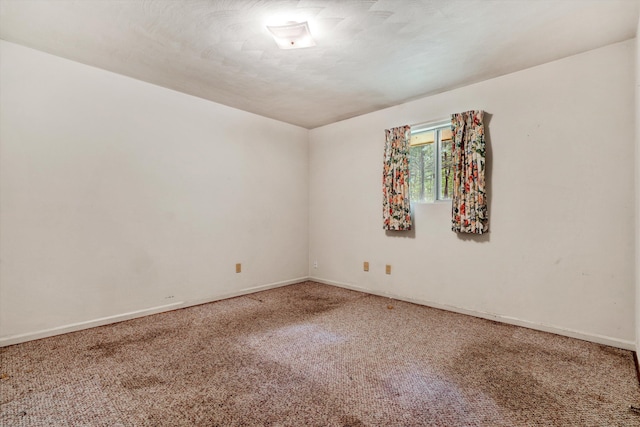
{"x": 436, "y": 126}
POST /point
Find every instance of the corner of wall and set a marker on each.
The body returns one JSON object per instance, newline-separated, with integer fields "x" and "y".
{"x": 637, "y": 186}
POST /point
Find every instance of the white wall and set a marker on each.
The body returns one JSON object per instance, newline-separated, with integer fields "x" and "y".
{"x": 560, "y": 253}
{"x": 118, "y": 196}
{"x": 637, "y": 188}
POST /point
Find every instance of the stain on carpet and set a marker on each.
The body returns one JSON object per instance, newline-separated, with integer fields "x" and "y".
{"x": 525, "y": 378}
{"x": 503, "y": 371}
{"x": 135, "y": 382}
{"x": 111, "y": 348}
{"x": 351, "y": 421}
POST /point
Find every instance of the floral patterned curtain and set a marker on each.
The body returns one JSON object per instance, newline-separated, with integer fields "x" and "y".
{"x": 469, "y": 210}
{"x": 396, "y": 210}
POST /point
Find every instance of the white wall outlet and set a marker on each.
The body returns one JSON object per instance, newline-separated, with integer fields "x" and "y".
{"x": 315, "y": 264}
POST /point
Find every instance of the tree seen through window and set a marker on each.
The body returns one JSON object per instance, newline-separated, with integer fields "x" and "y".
{"x": 431, "y": 164}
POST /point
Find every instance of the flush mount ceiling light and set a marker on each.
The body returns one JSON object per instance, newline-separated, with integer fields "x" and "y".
{"x": 292, "y": 35}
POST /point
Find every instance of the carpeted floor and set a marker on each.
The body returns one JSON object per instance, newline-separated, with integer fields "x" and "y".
{"x": 315, "y": 355}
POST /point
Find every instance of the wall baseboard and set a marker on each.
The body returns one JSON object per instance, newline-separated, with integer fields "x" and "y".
{"x": 585, "y": 336}
{"x": 74, "y": 327}
{"x": 245, "y": 292}
{"x": 45, "y": 333}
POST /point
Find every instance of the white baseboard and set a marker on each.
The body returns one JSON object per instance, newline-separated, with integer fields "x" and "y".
{"x": 64, "y": 329}
{"x": 600, "y": 339}
{"x": 73, "y": 327}
{"x": 244, "y": 292}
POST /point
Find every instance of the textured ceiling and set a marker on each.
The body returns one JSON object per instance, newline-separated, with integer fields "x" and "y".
{"x": 369, "y": 55}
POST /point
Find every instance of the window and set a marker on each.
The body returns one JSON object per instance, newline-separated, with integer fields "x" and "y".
{"x": 431, "y": 163}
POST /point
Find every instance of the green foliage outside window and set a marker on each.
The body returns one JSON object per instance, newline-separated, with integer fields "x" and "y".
{"x": 431, "y": 165}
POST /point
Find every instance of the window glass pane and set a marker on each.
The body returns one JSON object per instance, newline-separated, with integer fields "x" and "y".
{"x": 422, "y": 167}
{"x": 415, "y": 174}
{"x": 431, "y": 165}
{"x": 446, "y": 164}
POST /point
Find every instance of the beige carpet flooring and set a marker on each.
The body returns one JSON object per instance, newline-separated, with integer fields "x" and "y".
{"x": 315, "y": 355}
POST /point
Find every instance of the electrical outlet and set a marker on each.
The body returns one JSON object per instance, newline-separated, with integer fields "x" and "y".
{"x": 366, "y": 266}
{"x": 238, "y": 268}
{"x": 387, "y": 269}
{"x": 315, "y": 264}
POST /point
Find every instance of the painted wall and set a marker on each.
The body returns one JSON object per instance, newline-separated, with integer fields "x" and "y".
{"x": 560, "y": 253}
{"x": 637, "y": 188}
{"x": 118, "y": 196}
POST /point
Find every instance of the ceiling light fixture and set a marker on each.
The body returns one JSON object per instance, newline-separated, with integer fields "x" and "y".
{"x": 292, "y": 35}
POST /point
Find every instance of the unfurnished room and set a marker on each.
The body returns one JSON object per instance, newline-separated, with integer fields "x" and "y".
{"x": 319, "y": 213}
